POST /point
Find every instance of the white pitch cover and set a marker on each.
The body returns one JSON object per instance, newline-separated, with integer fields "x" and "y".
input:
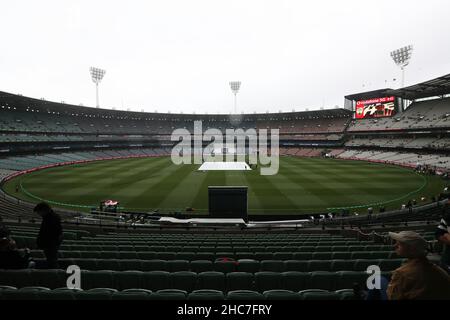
{"x": 224, "y": 166}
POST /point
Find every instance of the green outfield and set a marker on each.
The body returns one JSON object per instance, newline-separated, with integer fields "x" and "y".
{"x": 302, "y": 185}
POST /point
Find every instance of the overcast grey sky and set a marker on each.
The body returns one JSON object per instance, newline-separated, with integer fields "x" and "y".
{"x": 179, "y": 55}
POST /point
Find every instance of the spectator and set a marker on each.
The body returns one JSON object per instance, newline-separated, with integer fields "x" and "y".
{"x": 418, "y": 278}
{"x": 50, "y": 235}
{"x": 4, "y": 231}
{"x": 443, "y": 236}
{"x": 11, "y": 257}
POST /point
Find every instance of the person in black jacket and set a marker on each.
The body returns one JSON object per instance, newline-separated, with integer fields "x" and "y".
{"x": 50, "y": 235}
{"x": 11, "y": 257}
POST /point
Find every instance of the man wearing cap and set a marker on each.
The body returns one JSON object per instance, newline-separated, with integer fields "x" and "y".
{"x": 418, "y": 278}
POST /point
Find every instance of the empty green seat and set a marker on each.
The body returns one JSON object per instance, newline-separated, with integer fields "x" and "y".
{"x": 282, "y": 256}
{"x": 342, "y": 265}
{"x": 260, "y": 255}
{"x": 48, "y": 278}
{"x": 206, "y": 294}
{"x": 177, "y": 265}
{"x": 185, "y": 255}
{"x": 244, "y": 295}
{"x": 319, "y": 265}
{"x": 341, "y": 255}
{"x": 239, "y": 281}
{"x": 211, "y": 280}
{"x": 184, "y": 280}
{"x": 347, "y": 279}
{"x": 174, "y": 248}
{"x": 109, "y": 264}
{"x": 97, "y": 279}
{"x": 165, "y": 255}
{"x": 307, "y": 296}
{"x": 244, "y": 255}
{"x": 296, "y": 265}
{"x": 130, "y": 296}
{"x": 379, "y": 254}
{"x": 272, "y": 265}
{"x": 25, "y": 293}
{"x": 322, "y": 248}
{"x": 201, "y": 266}
{"x": 247, "y": 265}
{"x": 87, "y": 264}
{"x": 281, "y": 295}
{"x": 154, "y": 265}
{"x": 142, "y": 248}
{"x": 108, "y": 254}
{"x": 294, "y": 280}
{"x": 360, "y": 255}
{"x": 169, "y": 294}
{"x": 127, "y": 255}
{"x": 156, "y": 280}
{"x": 89, "y": 254}
{"x": 322, "y": 280}
{"x": 16, "y": 278}
{"x": 128, "y": 280}
{"x": 307, "y": 249}
{"x": 138, "y": 290}
{"x": 56, "y": 295}
{"x": 125, "y": 248}
{"x": 322, "y": 255}
{"x": 302, "y": 255}
{"x": 130, "y": 264}
{"x": 267, "y": 280}
{"x": 346, "y": 294}
{"x": 339, "y": 248}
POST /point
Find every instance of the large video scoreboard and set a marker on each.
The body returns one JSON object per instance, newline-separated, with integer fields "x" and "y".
{"x": 375, "y": 108}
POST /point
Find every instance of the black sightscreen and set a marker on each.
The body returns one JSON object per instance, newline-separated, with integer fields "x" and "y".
{"x": 228, "y": 202}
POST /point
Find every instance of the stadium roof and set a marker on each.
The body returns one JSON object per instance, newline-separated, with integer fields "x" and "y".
{"x": 437, "y": 87}
{"x": 26, "y": 103}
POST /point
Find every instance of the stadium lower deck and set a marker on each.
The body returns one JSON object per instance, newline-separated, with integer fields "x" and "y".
{"x": 190, "y": 265}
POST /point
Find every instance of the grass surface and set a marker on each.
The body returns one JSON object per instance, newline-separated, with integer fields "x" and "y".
{"x": 302, "y": 185}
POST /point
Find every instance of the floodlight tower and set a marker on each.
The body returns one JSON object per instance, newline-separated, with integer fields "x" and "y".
{"x": 97, "y": 76}
{"x": 401, "y": 58}
{"x": 235, "y": 85}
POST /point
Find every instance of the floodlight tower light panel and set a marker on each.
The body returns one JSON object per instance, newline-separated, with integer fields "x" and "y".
{"x": 402, "y": 56}
{"x": 97, "y": 74}
{"x": 235, "y": 86}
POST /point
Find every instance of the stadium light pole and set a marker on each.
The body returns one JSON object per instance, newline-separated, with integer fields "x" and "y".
{"x": 235, "y": 86}
{"x": 97, "y": 76}
{"x": 401, "y": 58}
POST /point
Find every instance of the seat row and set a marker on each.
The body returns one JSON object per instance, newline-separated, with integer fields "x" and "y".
{"x": 43, "y": 293}
{"x": 188, "y": 280}
{"x": 168, "y": 242}
{"x": 243, "y": 265}
{"x": 30, "y": 242}
{"x": 208, "y": 237}
{"x": 228, "y": 236}
{"x": 225, "y": 248}
{"x": 200, "y": 255}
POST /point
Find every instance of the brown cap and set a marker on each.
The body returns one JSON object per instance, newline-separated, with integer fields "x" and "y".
{"x": 411, "y": 238}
